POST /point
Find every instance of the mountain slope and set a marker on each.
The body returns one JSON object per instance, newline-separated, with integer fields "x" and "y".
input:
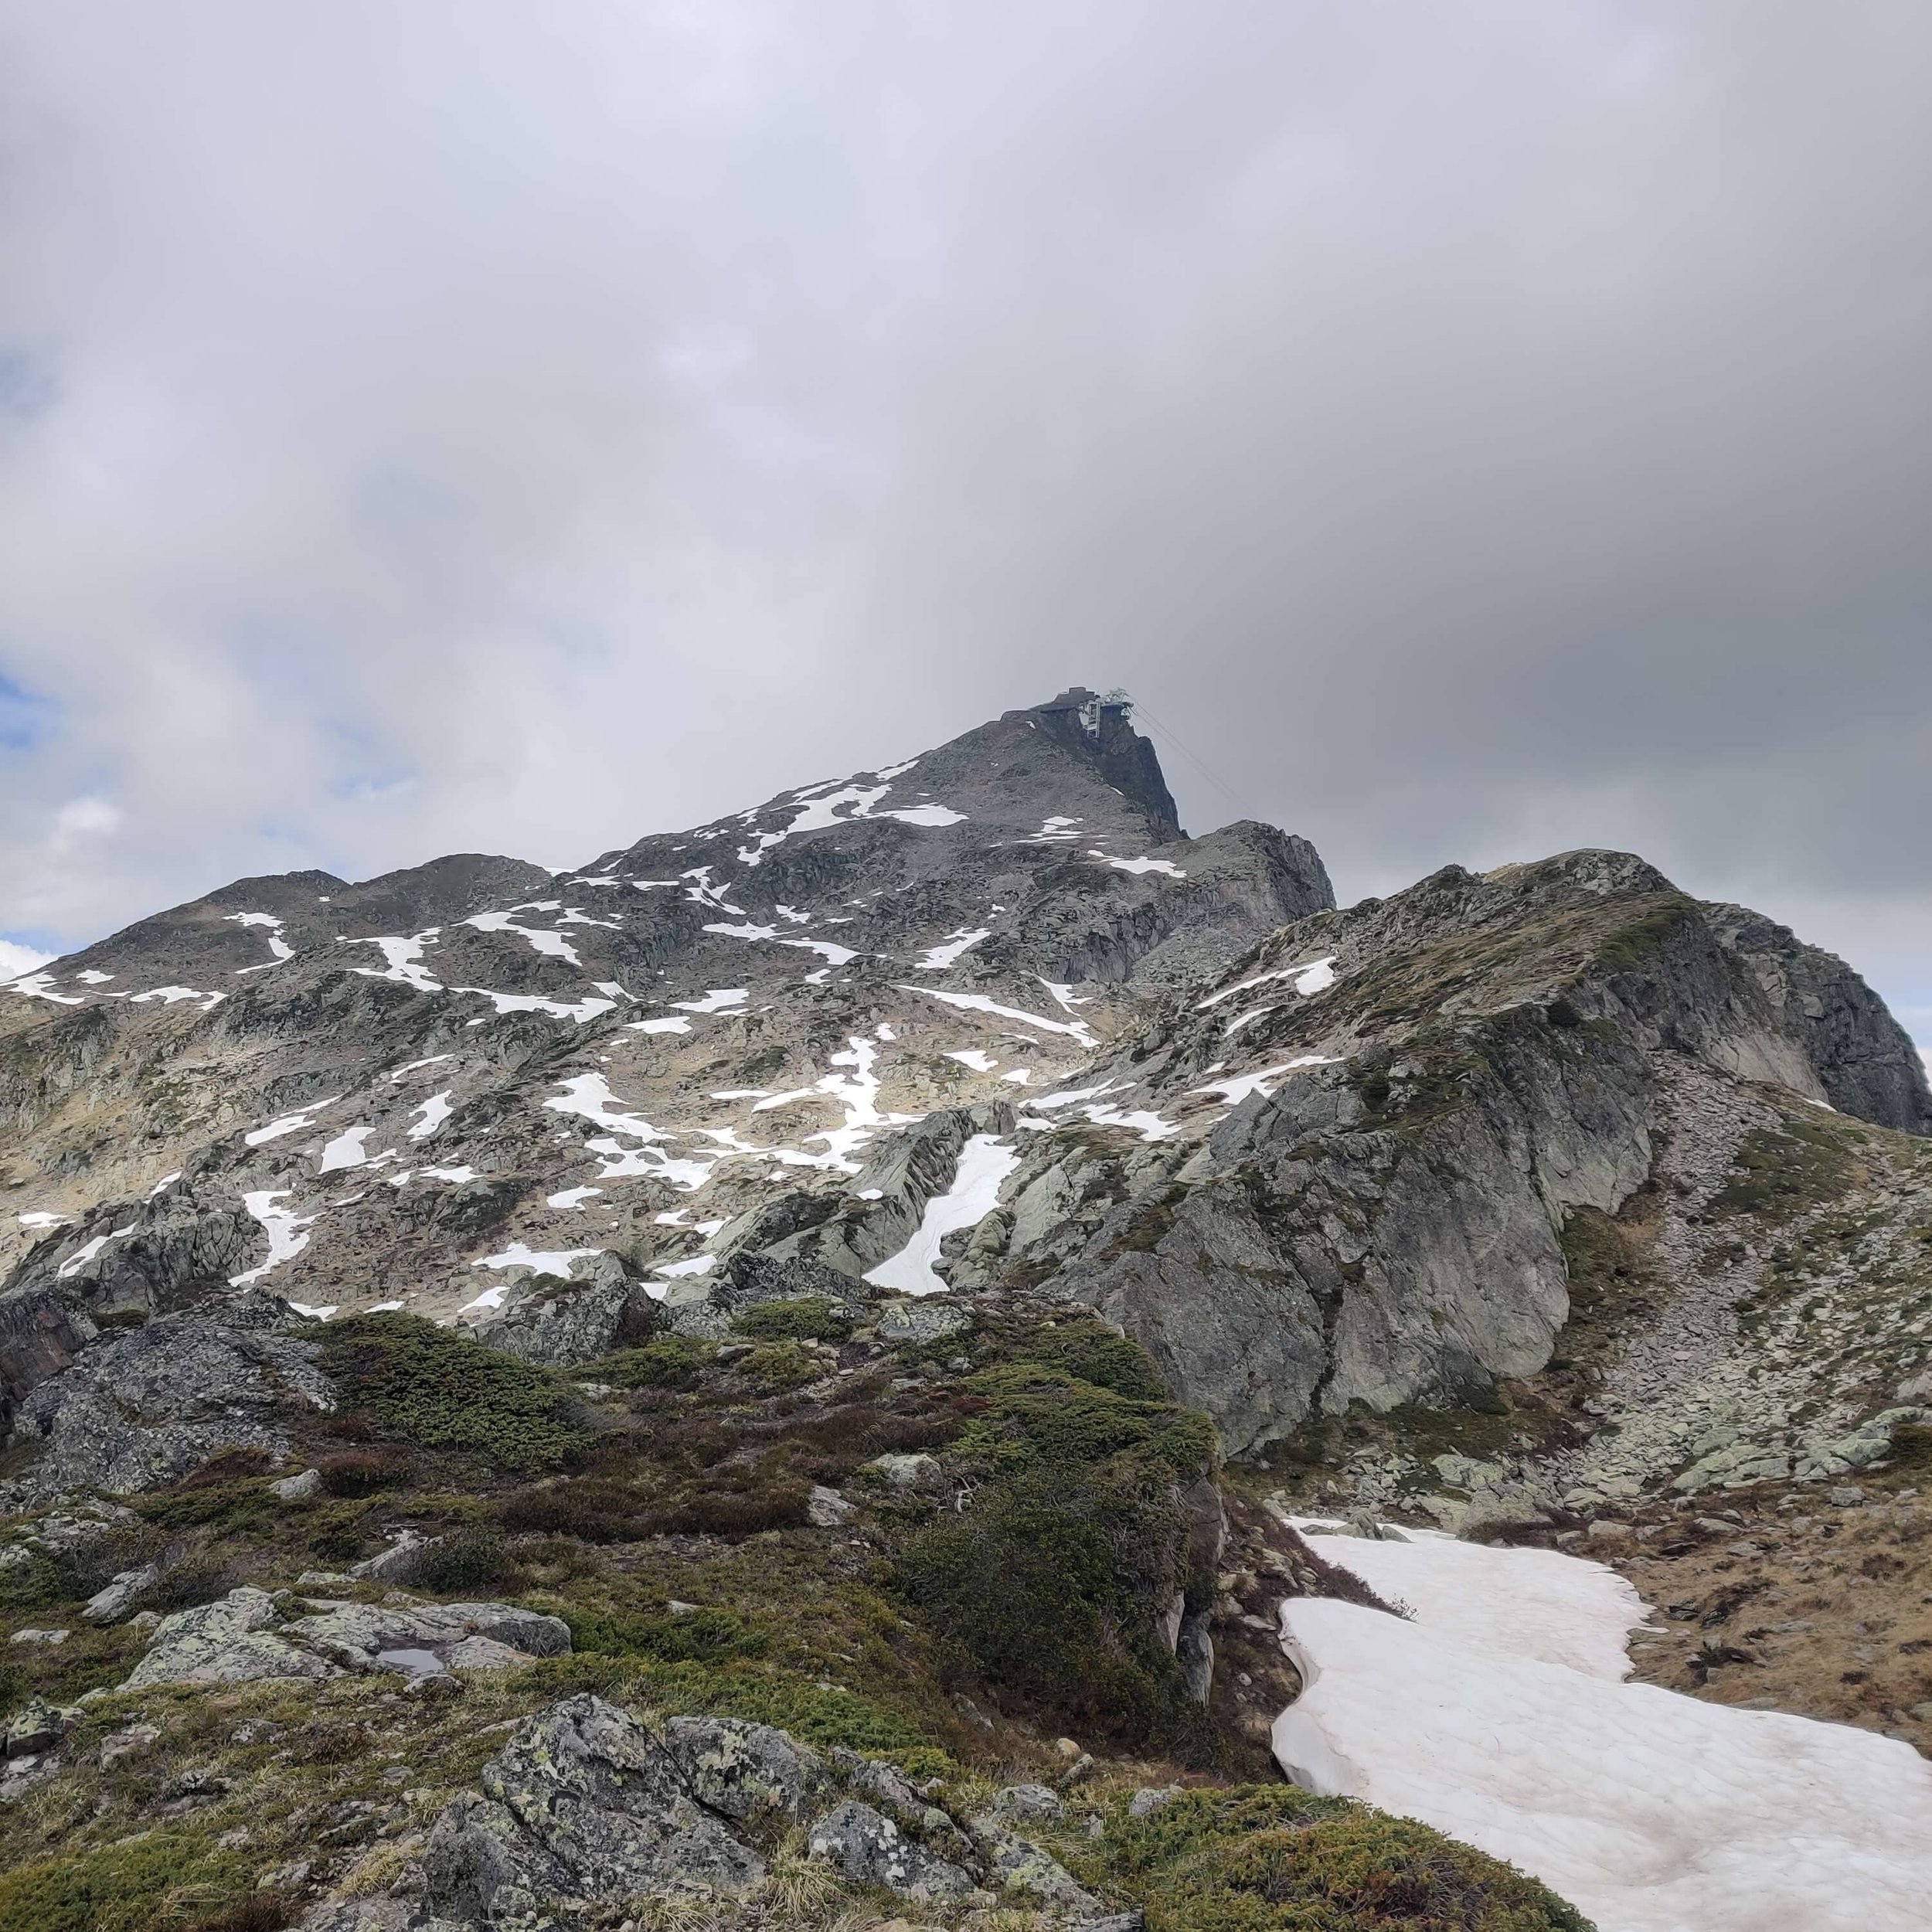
{"x": 372, "y": 1115}
{"x": 897, "y": 1198}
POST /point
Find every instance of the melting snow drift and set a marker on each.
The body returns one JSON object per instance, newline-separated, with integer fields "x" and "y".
{"x": 1499, "y": 1715}
{"x": 984, "y": 1163}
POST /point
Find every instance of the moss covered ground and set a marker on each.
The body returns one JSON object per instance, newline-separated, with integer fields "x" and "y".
{"x": 1018, "y": 1587}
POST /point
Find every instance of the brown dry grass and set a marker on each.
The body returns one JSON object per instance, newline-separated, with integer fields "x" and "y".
{"x": 1802, "y": 1606}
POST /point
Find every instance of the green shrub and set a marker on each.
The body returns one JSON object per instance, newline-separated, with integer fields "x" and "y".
{"x": 825, "y": 1718}
{"x": 465, "y": 1559}
{"x": 1040, "y": 1415}
{"x": 39, "y": 1580}
{"x": 438, "y": 1389}
{"x": 695, "y": 1636}
{"x": 1054, "y": 1580}
{"x": 815, "y": 1318}
{"x": 674, "y": 1362}
{"x": 161, "y": 1882}
{"x": 1092, "y": 1352}
{"x": 1271, "y": 1859}
{"x": 776, "y": 1368}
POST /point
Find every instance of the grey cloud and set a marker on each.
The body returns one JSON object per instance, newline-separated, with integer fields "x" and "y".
{"x": 1475, "y": 431}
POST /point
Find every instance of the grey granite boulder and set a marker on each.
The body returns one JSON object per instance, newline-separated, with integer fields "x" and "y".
{"x": 228, "y": 1641}
{"x": 865, "y": 1847}
{"x": 584, "y": 1803}
{"x": 892, "y": 1793}
{"x": 1028, "y": 1805}
{"x": 1020, "y": 1865}
{"x": 826, "y": 1509}
{"x": 145, "y": 1407}
{"x": 241, "y": 1637}
{"x": 930, "y": 1320}
{"x": 356, "y": 1636}
{"x": 38, "y": 1727}
{"x": 741, "y": 1770}
{"x": 107, "y": 1606}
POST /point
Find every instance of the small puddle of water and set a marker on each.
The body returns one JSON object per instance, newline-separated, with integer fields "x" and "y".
{"x": 412, "y": 1663}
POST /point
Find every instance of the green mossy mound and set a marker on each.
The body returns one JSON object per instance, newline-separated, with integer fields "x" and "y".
{"x": 1271, "y": 1859}
{"x": 1053, "y": 1577}
{"x": 813, "y": 1318}
{"x": 163, "y": 1881}
{"x": 435, "y": 1389}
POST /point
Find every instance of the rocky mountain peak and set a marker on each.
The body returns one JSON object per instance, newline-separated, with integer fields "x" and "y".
{"x": 932, "y": 1174}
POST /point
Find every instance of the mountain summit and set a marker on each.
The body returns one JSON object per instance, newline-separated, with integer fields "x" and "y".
{"x": 917, "y": 1183}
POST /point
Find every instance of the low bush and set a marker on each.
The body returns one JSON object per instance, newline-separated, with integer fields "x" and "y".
{"x": 815, "y": 1318}
{"x": 259, "y": 1912}
{"x": 436, "y": 1389}
{"x": 1053, "y": 1582}
{"x": 1093, "y": 1354}
{"x": 363, "y": 1472}
{"x": 672, "y": 1361}
{"x": 740, "y": 1504}
{"x": 824, "y": 1718}
{"x": 336, "y": 1533}
{"x": 827, "y": 1448}
{"x": 776, "y": 1368}
{"x": 693, "y": 1636}
{"x": 158, "y": 1882}
{"x": 1271, "y": 1859}
{"x": 597, "y": 1508}
{"x": 465, "y": 1559}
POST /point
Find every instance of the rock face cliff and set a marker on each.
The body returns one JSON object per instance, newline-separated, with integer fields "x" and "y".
{"x": 1360, "y": 1145}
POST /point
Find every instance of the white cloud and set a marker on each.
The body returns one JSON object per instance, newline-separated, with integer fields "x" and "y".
{"x": 16, "y": 959}
{"x": 443, "y": 428}
{"x": 85, "y": 818}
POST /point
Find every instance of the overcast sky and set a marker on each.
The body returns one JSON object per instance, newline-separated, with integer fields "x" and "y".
{"x": 1476, "y": 428}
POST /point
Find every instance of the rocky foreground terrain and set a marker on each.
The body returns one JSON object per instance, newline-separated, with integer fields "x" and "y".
{"x": 763, "y": 1379}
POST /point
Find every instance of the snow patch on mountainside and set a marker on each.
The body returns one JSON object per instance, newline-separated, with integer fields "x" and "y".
{"x": 1312, "y": 976}
{"x": 286, "y": 1232}
{"x": 984, "y": 1162}
{"x": 1233, "y": 1092}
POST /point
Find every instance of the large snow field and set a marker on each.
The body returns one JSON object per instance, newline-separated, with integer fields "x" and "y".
{"x": 1500, "y": 1715}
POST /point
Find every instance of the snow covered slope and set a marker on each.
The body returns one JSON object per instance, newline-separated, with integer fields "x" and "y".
{"x": 1499, "y": 1716}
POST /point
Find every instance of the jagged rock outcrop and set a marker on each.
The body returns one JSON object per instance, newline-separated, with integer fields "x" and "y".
{"x": 1863, "y": 1059}
{"x": 601, "y": 1307}
{"x": 588, "y": 1807}
{"x": 143, "y": 1407}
